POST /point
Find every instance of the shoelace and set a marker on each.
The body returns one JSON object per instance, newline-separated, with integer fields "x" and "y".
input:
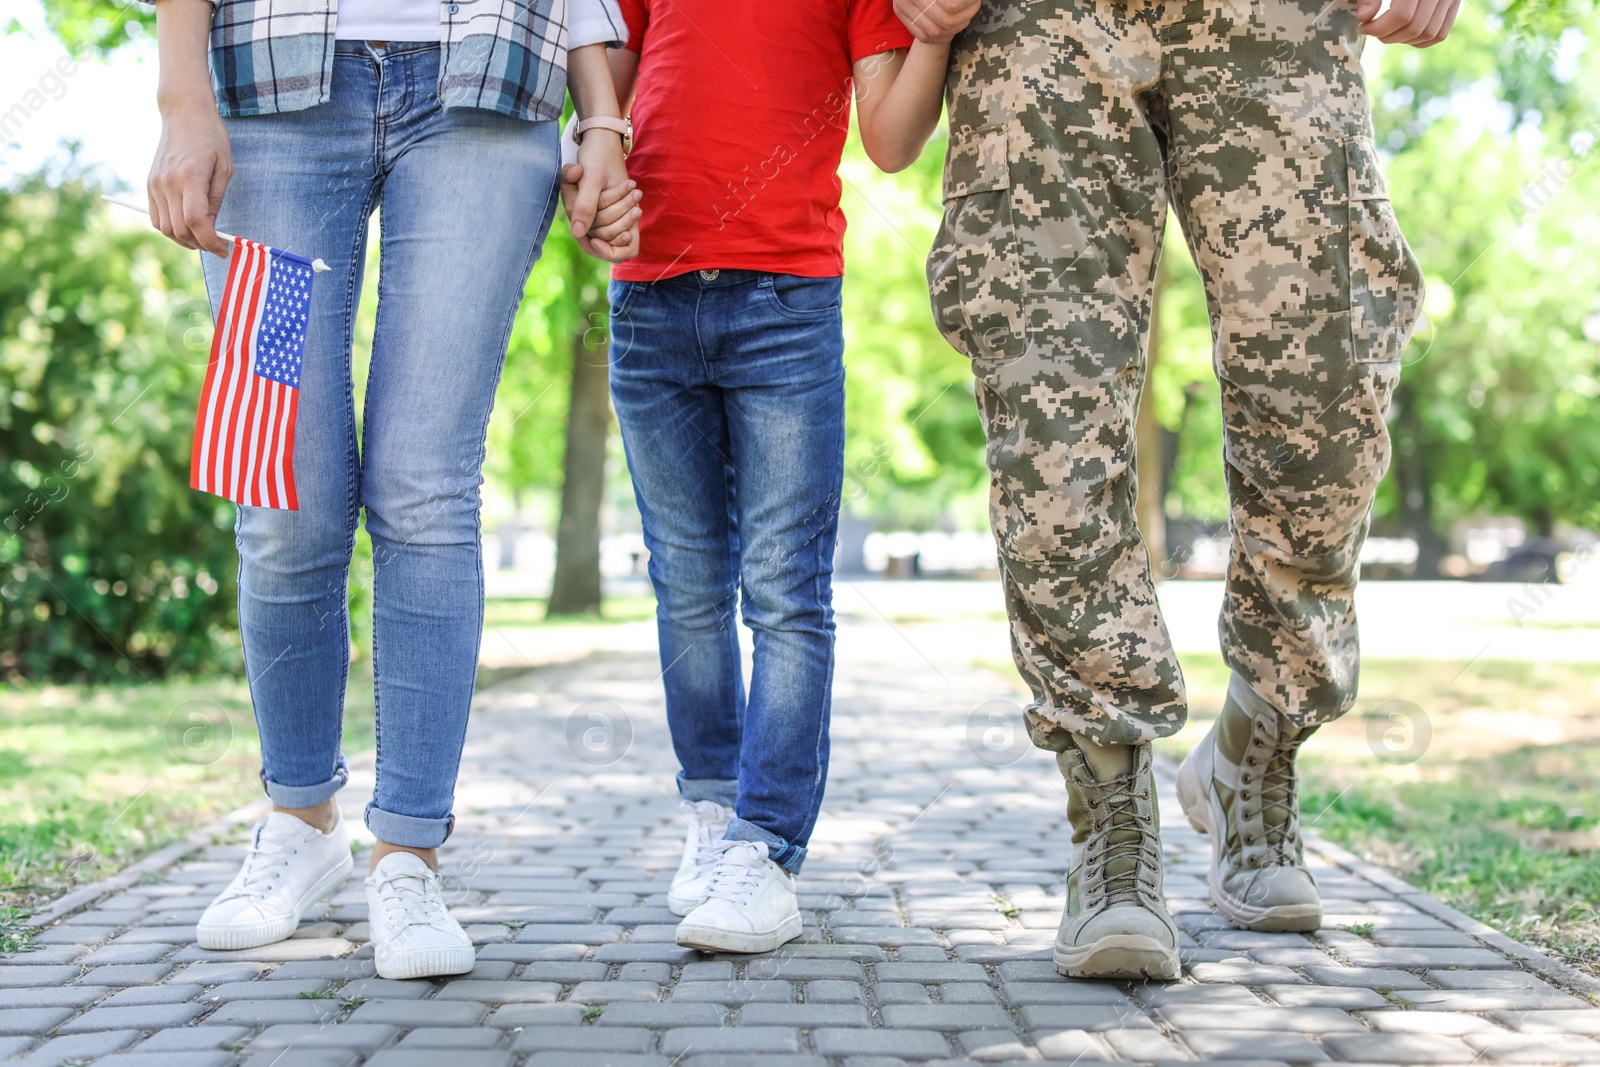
{"x": 410, "y": 898}
{"x": 1279, "y": 775}
{"x": 739, "y": 871}
{"x": 1118, "y": 812}
{"x": 702, "y": 816}
{"x": 264, "y": 865}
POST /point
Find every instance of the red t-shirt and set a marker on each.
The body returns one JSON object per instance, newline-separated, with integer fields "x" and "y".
{"x": 741, "y": 108}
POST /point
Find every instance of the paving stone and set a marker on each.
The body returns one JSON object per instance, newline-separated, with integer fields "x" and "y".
{"x": 228, "y": 992}
{"x": 13, "y": 975}
{"x": 1433, "y": 958}
{"x": 218, "y": 1058}
{"x": 1093, "y": 1017}
{"x": 744, "y": 992}
{"x": 1301, "y": 1020}
{"x": 453, "y": 1037}
{"x": 1315, "y": 996}
{"x": 304, "y": 1057}
{"x": 420, "y": 1013}
{"x": 508, "y": 992}
{"x": 754, "y": 1039}
{"x": 51, "y": 996}
{"x": 191, "y": 1039}
{"x": 825, "y": 992}
{"x": 14, "y": 1046}
{"x": 1488, "y": 980}
{"x": 662, "y": 1015}
{"x": 419, "y": 1057}
{"x": 127, "y": 953}
{"x": 1516, "y": 1048}
{"x": 152, "y": 994}
{"x": 1254, "y": 1044}
{"x": 80, "y": 1047}
{"x": 906, "y": 1044}
{"x": 32, "y": 1020}
{"x": 579, "y": 1038}
{"x": 589, "y": 1059}
{"x": 273, "y": 1012}
{"x": 946, "y": 1017}
{"x": 1399, "y": 1048}
{"x": 387, "y": 989}
{"x": 930, "y": 972}
{"x": 142, "y": 1017}
{"x": 345, "y": 1036}
{"x": 217, "y": 973}
{"x": 117, "y": 974}
{"x": 511, "y": 1016}
{"x": 1365, "y": 977}
{"x": 1448, "y": 1023}
{"x": 804, "y": 970}
{"x": 807, "y": 1016}
{"x": 612, "y": 992}
{"x": 1583, "y": 1021}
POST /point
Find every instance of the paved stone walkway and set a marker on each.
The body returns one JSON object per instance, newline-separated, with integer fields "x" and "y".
{"x": 931, "y": 899}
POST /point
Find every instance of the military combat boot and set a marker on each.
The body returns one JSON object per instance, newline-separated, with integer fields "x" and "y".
{"x": 1238, "y": 785}
{"x": 1116, "y": 923}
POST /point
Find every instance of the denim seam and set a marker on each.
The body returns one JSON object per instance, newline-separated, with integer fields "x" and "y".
{"x": 352, "y": 498}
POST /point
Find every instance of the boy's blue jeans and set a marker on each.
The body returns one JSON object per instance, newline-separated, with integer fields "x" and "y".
{"x": 729, "y": 388}
{"x": 466, "y": 197}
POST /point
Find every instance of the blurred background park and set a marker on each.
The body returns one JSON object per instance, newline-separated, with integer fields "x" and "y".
{"x": 1469, "y": 766}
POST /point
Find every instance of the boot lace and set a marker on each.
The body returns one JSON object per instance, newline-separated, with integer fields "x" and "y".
{"x": 1122, "y": 830}
{"x": 1276, "y": 790}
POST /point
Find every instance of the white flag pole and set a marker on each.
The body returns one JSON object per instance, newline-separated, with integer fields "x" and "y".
{"x": 317, "y": 265}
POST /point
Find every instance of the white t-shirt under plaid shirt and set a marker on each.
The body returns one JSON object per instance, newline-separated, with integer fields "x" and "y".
{"x": 510, "y": 56}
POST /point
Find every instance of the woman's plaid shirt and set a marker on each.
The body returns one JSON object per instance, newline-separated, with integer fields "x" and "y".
{"x": 508, "y": 56}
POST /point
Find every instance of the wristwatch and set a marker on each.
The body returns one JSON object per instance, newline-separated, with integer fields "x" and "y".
{"x": 624, "y": 126}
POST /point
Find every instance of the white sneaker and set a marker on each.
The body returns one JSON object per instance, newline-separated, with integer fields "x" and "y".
{"x": 749, "y": 904}
{"x": 708, "y": 821}
{"x": 413, "y": 935}
{"x": 290, "y": 866}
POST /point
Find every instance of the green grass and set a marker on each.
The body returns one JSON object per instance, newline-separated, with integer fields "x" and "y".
{"x": 93, "y": 777}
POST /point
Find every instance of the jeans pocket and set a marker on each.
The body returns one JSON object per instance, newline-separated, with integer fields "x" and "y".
{"x": 975, "y": 270}
{"x": 802, "y": 297}
{"x": 1385, "y": 278}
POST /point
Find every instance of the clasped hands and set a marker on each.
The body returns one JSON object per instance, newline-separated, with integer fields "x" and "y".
{"x": 602, "y": 203}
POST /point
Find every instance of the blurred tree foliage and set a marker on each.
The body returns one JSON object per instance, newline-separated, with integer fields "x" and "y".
{"x": 110, "y": 566}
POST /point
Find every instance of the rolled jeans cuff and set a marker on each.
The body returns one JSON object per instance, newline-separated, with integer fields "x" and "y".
{"x": 306, "y": 796}
{"x": 724, "y": 791}
{"x": 408, "y": 830}
{"x": 784, "y": 854}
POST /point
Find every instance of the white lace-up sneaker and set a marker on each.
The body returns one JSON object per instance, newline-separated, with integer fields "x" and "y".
{"x": 413, "y": 934}
{"x": 708, "y": 821}
{"x": 290, "y": 866}
{"x": 749, "y": 904}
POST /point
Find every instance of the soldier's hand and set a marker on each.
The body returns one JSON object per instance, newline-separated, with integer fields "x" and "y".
{"x": 936, "y": 21}
{"x": 1422, "y": 23}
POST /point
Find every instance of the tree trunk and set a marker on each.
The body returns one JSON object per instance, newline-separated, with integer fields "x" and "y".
{"x": 576, "y": 590}
{"x": 1151, "y": 509}
{"x": 1416, "y": 484}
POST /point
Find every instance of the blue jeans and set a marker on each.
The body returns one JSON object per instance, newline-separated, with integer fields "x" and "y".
{"x": 466, "y": 199}
{"x": 729, "y": 388}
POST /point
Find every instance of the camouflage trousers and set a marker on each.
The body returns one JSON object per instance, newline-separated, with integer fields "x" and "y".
{"x": 1073, "y": 125}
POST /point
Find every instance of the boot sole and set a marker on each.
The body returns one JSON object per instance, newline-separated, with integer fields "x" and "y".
{"x": 228, "y": 936}
{"x": 1129, "y": 956}
{"x": 1280, "y": 919}
{"x": 716, "y": 939}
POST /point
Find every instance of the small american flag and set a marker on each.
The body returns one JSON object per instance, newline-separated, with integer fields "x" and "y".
{"x": 244, "y": 435}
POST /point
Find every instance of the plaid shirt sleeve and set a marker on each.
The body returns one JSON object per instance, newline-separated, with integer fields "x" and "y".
{"x": 510, "y": 56}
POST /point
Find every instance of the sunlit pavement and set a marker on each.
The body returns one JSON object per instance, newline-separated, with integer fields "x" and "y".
{"x": 931, "y": 899}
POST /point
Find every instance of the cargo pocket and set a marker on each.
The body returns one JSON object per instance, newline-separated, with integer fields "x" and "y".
{"x": 1385, "y": 279}
{"x": 974, "y": 269}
